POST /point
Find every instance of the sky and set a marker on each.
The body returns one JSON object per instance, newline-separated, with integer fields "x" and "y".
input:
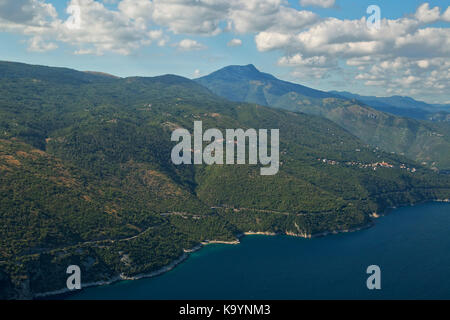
{"x": 324, "y": 44}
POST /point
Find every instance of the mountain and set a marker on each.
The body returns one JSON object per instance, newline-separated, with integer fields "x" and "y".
{"x": 402, "y": 106}
{"x": 86, "y": 177}
{"x": 246, "y": 83}
{"x": 424, "y": 141}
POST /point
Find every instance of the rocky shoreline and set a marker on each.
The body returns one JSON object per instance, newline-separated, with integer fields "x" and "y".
{"x": 121, "y": 277}
{"x": 184, "y": 256}
{"x": 186, "y": 252}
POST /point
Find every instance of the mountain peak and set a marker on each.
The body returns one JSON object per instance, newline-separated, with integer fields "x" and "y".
{"x": 251, "y": 67}
{"x": 246, "y": 83}
{"x": 240, "y": 72}
{"x": 246, "y": 69}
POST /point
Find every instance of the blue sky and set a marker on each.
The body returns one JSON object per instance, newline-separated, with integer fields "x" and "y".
{"x": 327, "y": 47}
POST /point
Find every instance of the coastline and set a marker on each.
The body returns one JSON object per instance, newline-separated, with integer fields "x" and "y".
{"x": 307, "y": 235}
{"x": 185, "y": 256}
{"x": 186, "y": 252}
{"x": 152, "y": 274}
{"x": 118, "y": 278}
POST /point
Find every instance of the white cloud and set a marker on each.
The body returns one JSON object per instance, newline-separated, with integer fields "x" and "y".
{"x": 235, "y": 43}
{"x": 33, "y": 18}
{"x": 423, "y": 64}
{"x": 397, "y": 56}
{"x": 38, "y": 45}
{"x": 26, "y": 13}
{"x": 446, "y": 15}
{"x": 101, "y": 30}
{"x": 426, "y": 15}
{"x": 206, "y": 17}
{"x": 266, "y": 41}
{"x": 98, "y": 29}
{"x": 268, "y": 15}
{"x": 189, "y": 45}
{"x": 318, "y": 3}
{"x": 403, "y": 75}
{"x": 189, "y": 16}
{"x": 317, "y": 67}
{"x": 136, "y": 9}
{"x": 132, "y": 25}
{"x": 299, "y": 60}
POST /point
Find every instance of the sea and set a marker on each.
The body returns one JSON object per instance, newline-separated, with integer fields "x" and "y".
{"x": 410, "y": 245}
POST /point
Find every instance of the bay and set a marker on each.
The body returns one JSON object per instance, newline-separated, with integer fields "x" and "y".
{"x": 411, "y": 245}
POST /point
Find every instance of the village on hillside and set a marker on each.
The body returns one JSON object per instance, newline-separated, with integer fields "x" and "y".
{"x": 373, "y": 166}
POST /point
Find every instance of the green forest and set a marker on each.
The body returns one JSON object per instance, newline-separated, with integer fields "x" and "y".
{"x": 86, "y": 176}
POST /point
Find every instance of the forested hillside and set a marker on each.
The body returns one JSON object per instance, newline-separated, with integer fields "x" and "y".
{"x": 420, "y": 140}
{"x": 403, "y": 106}
{"x": 86, "y": 176}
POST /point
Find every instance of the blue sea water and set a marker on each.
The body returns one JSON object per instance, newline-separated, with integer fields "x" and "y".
{"x": 411, "y": 245}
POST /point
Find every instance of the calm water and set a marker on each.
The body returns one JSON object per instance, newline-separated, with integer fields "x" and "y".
{"x": 411, "y": 245}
